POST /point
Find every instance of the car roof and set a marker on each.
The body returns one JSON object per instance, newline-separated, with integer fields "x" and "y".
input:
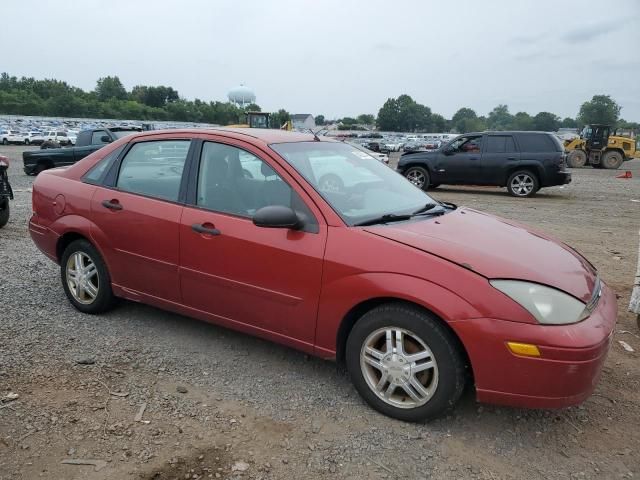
{"x": 265, "y": 135}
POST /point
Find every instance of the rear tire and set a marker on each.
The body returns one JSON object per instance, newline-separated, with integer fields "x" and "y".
{"x": 4, "y": 212}
{"x": 577, "y": 159}
{"x": 523, "y": 183}
{"x": 410, "y": 389}
{"x": 85, "y": 278}
{"x": 612, "y": 160}
{"x": 5, "y": 141}
{"x": 419, "y": 177}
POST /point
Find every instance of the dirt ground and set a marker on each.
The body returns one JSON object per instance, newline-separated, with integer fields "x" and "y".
{"x": 145, "y": 394}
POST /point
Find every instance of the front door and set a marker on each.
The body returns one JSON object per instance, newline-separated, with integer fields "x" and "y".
{"x": 137, "y": 218}
{"x": 459, "y": 162}
{"x": 248, "y": 277}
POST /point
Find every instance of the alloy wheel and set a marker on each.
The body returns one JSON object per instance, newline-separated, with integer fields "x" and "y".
{"x": 399, "y": 367}
{"x": 82, "y": 278}
{"x": 416, "y": 177}
{"x": 522, "y": 185}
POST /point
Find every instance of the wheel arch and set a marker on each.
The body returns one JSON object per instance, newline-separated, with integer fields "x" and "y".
{"x": 533, "y": 168}
{"x": 357, "y": 311}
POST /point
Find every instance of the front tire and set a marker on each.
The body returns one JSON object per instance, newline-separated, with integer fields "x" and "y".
{"x": 522, "y": 183}
{"x": 26, "y": 141}
{"x": 5, "y": 211}
{"x": 85, "y": 278}
{"x": 419, "y": 177}
{"x": 405, "y": 363}
{"x": 612, "y": 160}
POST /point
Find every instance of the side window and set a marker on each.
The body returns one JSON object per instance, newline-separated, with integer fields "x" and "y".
{"x": 500, "y": 144}
{"x": 467, "y": 145}
{"x": 154, "y": 168}
{"x": 62, "y": 134}
{"x": 234, "y": 181}
{"x": 535, "y": 143}
{"x": 96, "y": 137}
{"x": 84, "y": 138}
{"x": 96, "y": 173}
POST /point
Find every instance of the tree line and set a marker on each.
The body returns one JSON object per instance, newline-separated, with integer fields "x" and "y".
{"x": 110, "y": 99}
{"x": 404, "y": 114}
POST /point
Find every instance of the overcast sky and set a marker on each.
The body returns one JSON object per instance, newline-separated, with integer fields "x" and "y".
{"x": 340, "y": 57}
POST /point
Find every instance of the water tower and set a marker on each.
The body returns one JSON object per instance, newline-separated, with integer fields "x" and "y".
{"x": 241, "y": 96}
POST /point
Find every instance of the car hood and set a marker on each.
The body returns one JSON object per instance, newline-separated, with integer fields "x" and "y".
{"x": 496, "y": 248}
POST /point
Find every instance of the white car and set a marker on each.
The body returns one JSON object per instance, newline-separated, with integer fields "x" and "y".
{"x": 57, "y": 136}
{"x": 11, "y": 136}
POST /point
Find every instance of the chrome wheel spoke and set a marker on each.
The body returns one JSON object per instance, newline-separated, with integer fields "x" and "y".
{"x": 82, "y": 278}
{"x": 377, "y": 354}
{"x": 399, "y": 367}
{"x": 91, "y": 290}
{"x": 421, "y": 367}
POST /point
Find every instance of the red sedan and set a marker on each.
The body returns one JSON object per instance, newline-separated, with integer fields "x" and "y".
{"x": 415, "y": 296}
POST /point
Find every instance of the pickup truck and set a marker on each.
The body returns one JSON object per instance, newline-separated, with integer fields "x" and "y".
{"x": 88, "y": 141}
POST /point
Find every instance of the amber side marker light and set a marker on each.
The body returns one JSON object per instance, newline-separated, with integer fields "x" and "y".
{"x": 524, "y": 349}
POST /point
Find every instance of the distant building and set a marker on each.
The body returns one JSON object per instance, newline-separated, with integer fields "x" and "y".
{"x": 303, "y": 120}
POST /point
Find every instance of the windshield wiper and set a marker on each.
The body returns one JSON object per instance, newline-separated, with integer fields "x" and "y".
{"x": 389, "y": 217}
{"x": 392, "y": 217}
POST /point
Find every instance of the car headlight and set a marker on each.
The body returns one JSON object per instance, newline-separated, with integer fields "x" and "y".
{"x": 548, "y": 305}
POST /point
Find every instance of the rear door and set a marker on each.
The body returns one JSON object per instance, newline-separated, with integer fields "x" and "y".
{"x": 499, "y": 156}
{"x": 262, "y": 280}
{"x": 136, "y": 212}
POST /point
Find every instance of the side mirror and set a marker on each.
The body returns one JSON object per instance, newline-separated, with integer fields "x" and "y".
{"x": 447, "y": 150}
{"x": 276, "y": 216}
{"x": 105, "y": 139}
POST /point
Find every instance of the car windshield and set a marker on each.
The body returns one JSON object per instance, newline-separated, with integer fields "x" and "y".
{"x": 356, "y": 185}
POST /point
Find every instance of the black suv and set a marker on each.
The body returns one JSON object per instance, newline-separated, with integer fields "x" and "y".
{"x": 524, "y": 162}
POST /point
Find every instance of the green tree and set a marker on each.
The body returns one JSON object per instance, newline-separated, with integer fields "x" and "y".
{"x": 499, "y": 118}
{"x": 110, "y": 87}
{"x": 466, "y": 120}
{"x": 522, "y": 121}
{"x": 389, "y": 116}
{"x": 601, "y": 109}
{"x": 366, "y": 119}
{"x": 546, "y": 122}
{"x": 253, "y": 107}
{"x": 279, "y": 118}
{"x": 569, "y": 122}
{"x": 319, "y": 120}
{"x": 439, "y": 123}
{"x": 349, "y": 121}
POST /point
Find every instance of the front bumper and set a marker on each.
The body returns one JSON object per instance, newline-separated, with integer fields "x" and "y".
{"x": 566, "y": 372}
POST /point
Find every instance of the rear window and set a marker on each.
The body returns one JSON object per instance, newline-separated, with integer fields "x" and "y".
{"x": 96, "y": 174}
{"x": 536, "y": 143}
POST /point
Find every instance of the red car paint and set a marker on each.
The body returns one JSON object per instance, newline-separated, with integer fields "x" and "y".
{"x": 299, "y": 288}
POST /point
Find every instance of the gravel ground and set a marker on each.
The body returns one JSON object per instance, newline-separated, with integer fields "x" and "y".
{"x": 218, "y": 404}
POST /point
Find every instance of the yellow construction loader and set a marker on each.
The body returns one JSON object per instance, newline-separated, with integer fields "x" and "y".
{"x": 260, "y": 120}
{"x": 601, "y": 147}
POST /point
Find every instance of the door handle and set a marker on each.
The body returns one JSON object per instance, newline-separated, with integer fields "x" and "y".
{"x": 112, "y": 204}
{"x": 198, "y": 227}
{"x": 511, "y": 158}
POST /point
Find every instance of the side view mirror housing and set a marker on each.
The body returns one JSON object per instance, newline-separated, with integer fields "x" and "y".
{"x": 447, "y": 150}
{"x": 105, "y": 139}
{"x": 276, "y": 216}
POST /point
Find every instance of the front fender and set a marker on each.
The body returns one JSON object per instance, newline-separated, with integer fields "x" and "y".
{"x": 342, "y": 295}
